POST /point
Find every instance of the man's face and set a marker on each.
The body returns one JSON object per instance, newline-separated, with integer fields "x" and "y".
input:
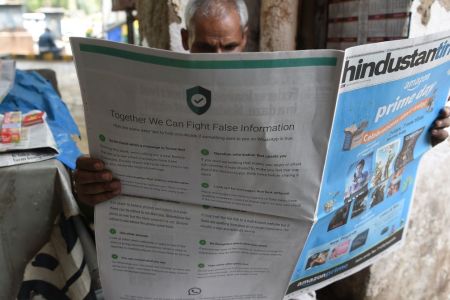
{"x": 215, "y": 35}
{"x": 359, "y": 168}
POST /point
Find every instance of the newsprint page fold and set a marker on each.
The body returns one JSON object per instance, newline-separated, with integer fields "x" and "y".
{"x": 255, "y": 175}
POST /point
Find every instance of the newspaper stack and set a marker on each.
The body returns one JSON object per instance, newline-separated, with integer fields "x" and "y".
{"x": 25, "y": 138}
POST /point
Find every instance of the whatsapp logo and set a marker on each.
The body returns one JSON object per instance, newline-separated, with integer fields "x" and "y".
{"x": 198, "y": 99}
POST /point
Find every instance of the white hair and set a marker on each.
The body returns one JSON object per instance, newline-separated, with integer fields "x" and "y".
{"x": 214, "y": 8}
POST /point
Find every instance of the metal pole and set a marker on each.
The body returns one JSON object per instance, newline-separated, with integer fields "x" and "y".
{"x": 130, "y": 27}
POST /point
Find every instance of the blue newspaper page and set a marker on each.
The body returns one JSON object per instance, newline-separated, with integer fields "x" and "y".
{"x": 390, "y": 94}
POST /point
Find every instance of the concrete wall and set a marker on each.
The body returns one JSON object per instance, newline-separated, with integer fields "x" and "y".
{"x": 153, "y": 25}
{"x": 429, "y": 16}
{"x": 279, "y": 25}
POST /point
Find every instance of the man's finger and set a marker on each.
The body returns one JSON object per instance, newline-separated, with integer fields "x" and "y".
{"x": 445, "y": 112}
{"x": 98, "y": 188}
{"x": 439, "y": 134}
{"x": 90, "y": 164}
{"x": 442, "y": 123}
{"x": 85, "y": 177}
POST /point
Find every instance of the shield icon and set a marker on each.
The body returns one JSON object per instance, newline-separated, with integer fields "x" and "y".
{"x": 198, "y": 99}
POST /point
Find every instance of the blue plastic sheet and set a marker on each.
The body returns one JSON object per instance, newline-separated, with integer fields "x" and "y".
{"x": 31, "y": 91}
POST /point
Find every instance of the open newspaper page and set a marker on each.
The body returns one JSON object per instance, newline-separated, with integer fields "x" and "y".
{"x": 243, "y": 132}
{"x": 389, "y": 96}
{"x": 25, "y": 138}
{"x": 152, "y": 249}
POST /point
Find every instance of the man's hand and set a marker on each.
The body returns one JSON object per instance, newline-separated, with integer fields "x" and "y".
{"x": 438, "y": 132}
{"x": 93, "y": 183}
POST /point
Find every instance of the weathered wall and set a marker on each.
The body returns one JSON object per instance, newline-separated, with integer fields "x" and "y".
{"x": 278, "y": 25}
{"x": 153, "y": 19}
{"x": 429, "y": 16}
{"x": 176, "y": 22}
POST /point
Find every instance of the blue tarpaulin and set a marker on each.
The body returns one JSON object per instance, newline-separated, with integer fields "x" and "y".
{"x": 31, "y": 91}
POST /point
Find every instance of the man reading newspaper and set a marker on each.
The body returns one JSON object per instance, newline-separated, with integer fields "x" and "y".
{"x": 213, "y": 26}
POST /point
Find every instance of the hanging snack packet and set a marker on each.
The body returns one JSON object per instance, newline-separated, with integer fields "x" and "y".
{"x": 11, "y": 126}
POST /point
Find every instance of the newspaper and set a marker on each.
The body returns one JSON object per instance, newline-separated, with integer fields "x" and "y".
{"x": 390, "y": 94}
{"x": 238, "y": 182}
{"x": 25, "y": 138}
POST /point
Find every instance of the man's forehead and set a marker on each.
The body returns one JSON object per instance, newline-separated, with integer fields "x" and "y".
{"x": 216, "y": 7}
{"x": 215, "y": 10}
{"x": 217, "y": 27}
{"x": 215, "y": 31}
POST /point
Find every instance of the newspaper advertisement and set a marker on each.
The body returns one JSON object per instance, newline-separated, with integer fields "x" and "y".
{"x": 185, "y": 127}
{"x": 161, "y": 250}
{"x": 25, "y": 138}
{"x": 389, "y": 96}
{"x": 246, "y": 132}
{"x": 235, "y": 172}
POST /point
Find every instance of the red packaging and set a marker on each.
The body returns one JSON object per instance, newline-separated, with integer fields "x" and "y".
{"x": 33, "y": 119}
